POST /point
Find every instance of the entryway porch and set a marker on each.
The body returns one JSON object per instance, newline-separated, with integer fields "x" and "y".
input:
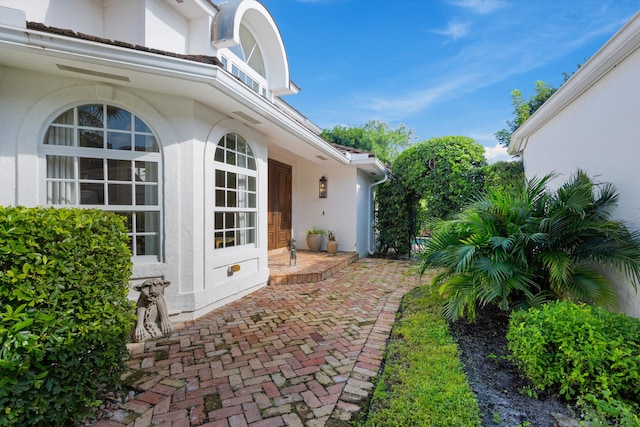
{"x": 309, "y": 266}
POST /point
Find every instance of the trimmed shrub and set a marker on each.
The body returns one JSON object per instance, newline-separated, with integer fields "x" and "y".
{"x": 65, "y": 317}
{"x": 579, "y": 351}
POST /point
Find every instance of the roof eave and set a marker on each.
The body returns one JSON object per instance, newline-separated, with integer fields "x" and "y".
{"x": 620, "y": 46}
{"x": 94, "y": 55}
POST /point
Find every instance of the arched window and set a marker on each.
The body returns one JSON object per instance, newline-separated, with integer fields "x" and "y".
{"x": 236, "y": 207}
{"x": 249, "y": 52}
{"x": 102, "y": 156}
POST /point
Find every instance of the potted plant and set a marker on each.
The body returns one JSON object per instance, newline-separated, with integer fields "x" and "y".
{"x": 314, "y": 238}
{"x": 332, "y": 244}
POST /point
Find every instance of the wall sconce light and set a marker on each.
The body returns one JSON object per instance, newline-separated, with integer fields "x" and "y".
{"x": 323, "y": 188}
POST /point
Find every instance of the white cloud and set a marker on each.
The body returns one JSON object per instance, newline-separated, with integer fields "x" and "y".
{"x": 481, "y": 7}
{"x": 479, "y": 64}
{"x": 418, "y": 100}
{"x": 497, "y": 153}
{"x": 455, "y": 30}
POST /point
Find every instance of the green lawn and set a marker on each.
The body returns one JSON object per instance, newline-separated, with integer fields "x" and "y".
{"x": 423, "y": 383}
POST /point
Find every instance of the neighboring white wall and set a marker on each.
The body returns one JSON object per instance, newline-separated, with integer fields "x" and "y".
{"x": 598, "y": 133}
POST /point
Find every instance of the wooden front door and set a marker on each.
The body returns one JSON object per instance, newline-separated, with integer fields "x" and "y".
{"x": 279, "y": 204}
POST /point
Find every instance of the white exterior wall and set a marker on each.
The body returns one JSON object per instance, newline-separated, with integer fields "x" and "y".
{"x": 196, "y": 44}
{"x": 80, "y": 15}
{"x": 337, "y": 212}
{"x": 149, "y": 23}
{"x": 364, "y": 213}
{"x": 124, "y": 21}
{"x": 165, "y": 29}
{"x": 187, "y": 133}
{"x": 598, "y": 132}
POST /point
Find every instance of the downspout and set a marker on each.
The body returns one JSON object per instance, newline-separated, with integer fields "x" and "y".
{"x": 371, "y": 207}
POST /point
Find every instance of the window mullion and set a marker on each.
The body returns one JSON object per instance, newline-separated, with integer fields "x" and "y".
{"x": 66, "y": 180}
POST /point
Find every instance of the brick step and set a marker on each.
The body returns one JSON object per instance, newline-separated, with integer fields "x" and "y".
{"x": 308, "y": 268}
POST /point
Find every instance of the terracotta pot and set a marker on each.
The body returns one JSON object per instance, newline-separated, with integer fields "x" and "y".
{"x": 332, "y": 247}
{"x": 314, "y": 241}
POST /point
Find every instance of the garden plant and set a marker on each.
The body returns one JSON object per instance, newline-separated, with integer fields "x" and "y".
{"x": 581, "y": 353}
{"x": 529, "y": 245}
{"x": 65, "y": 317}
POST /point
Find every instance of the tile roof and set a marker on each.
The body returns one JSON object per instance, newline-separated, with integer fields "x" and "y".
{"x": 344, "y": 149}
{"x": 212, "y": 60}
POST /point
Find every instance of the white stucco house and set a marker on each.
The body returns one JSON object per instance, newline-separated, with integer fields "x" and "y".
{"x": 171, "y": 113}
{"x": 593, "y": 123}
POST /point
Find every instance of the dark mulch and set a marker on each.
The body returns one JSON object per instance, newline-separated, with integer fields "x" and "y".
{"x": 501, "y": 390}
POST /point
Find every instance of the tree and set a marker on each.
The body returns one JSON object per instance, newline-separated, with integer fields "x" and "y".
{"x": 434, "y": 178}
{"x": 375, "y": 136}
{"x": 445, "y": 172}
{"x": 524, "y": 108}
{"x": 503, "y": 175}
{"x": 523, "y": 247}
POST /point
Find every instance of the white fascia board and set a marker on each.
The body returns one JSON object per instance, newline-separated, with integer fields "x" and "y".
{"x": 100, "y": 54}
{"x": 365, "y": 159}
{"x": 230, "y": 86}
{"x": 620, "y": 46}
{"x": 75, "y": 49}
{"x": 371, "y": 163}
{"x": 290, "y": 110}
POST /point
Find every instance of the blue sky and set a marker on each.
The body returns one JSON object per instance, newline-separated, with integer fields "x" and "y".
{"x": 440, "y": 67}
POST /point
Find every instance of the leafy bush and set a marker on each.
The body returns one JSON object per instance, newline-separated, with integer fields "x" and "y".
{"x": 65, "y": 317}
{"x": 444, "y": 172}
{"x": 431, "y": 179}
{"x": 397, "y": 218}
{"x": 522, "y": 247}
{"x": 580, "y": 351}
{"x": 503, "y": 175}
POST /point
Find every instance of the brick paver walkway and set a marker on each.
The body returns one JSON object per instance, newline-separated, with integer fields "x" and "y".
{"x": 286, "y": 355}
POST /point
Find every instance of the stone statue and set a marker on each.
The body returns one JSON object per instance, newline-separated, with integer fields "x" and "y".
{"x": 293, "y": 256}
{"x": 153, "y": 316}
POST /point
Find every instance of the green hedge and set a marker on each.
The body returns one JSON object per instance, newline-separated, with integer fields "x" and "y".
{"x": 65, "y": 317}
{"x": 581, "y": 352}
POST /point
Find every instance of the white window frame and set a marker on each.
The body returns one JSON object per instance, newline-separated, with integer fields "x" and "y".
{"x": 222, "y": 239}
{"x": 73, "y": 183}
{"x": 240, "y": 68}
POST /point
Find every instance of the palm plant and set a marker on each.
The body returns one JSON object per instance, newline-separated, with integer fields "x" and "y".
{"x": 523, "y": 247}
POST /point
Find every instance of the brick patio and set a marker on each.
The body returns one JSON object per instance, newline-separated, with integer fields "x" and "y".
{"x": 286, "y": 355}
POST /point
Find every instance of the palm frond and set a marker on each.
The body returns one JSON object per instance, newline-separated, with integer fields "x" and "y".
{"x": 527, "y": 245}
{"x": 559, "y": 267}
{"x": 461, "y": 297}
{"x": 589, "y": 286}
{"x": 535, "y": 301}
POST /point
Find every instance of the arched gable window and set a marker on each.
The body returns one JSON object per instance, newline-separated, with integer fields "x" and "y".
{"x": 253, "y": 71}
{"x": 102, "y": 156}
{"x": 251, "y": 47}
{"x": 236, "y": 207}
{"x": 249, "y": 51}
